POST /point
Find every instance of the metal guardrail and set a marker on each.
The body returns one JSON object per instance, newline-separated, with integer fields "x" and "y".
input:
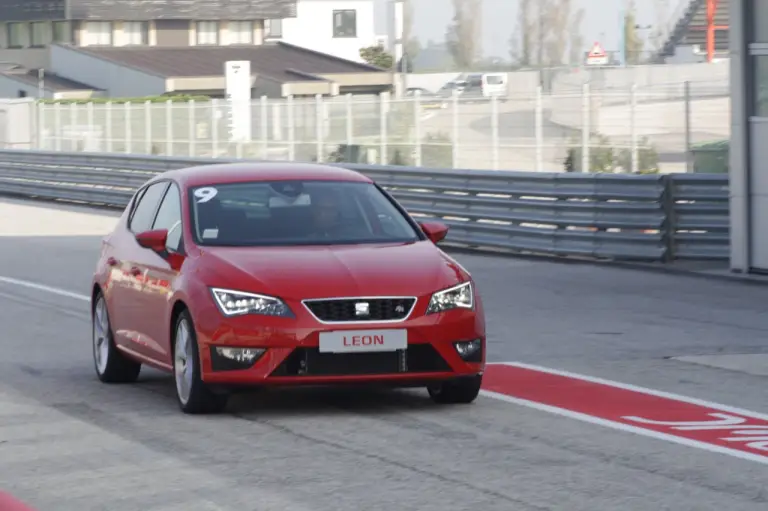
{"x": 613, "y": 216}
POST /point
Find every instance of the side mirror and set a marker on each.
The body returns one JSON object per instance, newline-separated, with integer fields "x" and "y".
{"x": 435, "y": 231}
{"x": 153, "y": 240}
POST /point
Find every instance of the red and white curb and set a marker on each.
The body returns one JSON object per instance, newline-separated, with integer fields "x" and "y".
{"x": 9, "y": 503}
{"x": 661, "y": 415}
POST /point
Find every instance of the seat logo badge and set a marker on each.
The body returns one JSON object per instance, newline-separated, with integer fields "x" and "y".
{"x": 400, "y": 309}
{"x": 362, "y": 309}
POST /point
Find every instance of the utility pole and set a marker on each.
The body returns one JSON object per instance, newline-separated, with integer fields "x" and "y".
{"x": 397, "y": 21}
{"x": 540, "y": 34}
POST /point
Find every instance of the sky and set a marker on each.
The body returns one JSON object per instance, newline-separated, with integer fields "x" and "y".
{"x": 601, "y": 23}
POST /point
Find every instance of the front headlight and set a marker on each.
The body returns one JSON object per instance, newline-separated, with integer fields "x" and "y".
{"x": 238, "y": 303}
{"x": 456, "y": 297}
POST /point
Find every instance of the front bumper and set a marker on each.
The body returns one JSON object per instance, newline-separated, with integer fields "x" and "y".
{"x": 292, "y": 355}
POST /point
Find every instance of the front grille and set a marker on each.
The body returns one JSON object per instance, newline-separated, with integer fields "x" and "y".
{"x": 418, "y": 358}
{"x": 345, "y": 309}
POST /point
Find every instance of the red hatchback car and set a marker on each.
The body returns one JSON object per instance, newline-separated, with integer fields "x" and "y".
{"x": 260, "y": 274}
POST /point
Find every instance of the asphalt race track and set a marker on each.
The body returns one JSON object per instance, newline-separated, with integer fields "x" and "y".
{"x": 69, "y": 443}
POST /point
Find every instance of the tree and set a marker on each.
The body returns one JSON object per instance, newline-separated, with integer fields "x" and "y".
{"x": 633, "y": 43}
{"x": 521, "y": 42}
{"x": 576, "y": 50}
{"x": 548, "y": 33}
{"x": 377, "y": 56}
{"x": 411, "y": 44}
{"x": 463, "y": 34}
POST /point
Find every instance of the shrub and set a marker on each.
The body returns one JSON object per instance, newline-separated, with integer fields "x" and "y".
{"x": 604, "y": 158}
{"x": 711, "y": 157}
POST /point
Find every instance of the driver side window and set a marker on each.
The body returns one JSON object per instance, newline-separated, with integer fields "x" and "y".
{"x": 169, "y": 217}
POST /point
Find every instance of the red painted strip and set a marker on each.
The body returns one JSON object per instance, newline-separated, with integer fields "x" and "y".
{"x": 631, "y": 408}
{"x": 8, "y": 503}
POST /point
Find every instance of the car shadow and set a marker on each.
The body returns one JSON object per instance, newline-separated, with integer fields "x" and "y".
{"x": 306, "y": 400}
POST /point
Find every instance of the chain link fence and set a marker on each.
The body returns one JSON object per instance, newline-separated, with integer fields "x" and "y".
{"x": 621, "y": 129}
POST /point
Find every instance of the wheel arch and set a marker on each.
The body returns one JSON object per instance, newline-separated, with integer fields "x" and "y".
{"x": 95, "y": 291}
{"x": 179, "y": 306}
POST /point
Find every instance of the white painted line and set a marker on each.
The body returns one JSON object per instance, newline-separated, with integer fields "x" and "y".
{"x": 642, "y": 390}
{"x": 42, "y": 287}
{"x": 624, "y": 427}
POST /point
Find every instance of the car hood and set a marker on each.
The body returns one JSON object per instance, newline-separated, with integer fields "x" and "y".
{"x": 403, "y": 269}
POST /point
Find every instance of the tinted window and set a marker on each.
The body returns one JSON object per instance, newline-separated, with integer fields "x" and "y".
{"x": 145, "y": 210}
{"x": 169, "y": 217}
{"x": 296, "y": 213}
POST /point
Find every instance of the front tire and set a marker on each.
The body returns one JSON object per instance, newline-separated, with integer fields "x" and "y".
{"x": 459, "y": 391}
{"x": 111, "y": 365}
{"x": 193, "y": 395}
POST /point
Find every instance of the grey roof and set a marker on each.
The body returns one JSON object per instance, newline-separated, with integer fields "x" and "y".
{"x": 51, "y": 81}
{"x": 280, "y": 61}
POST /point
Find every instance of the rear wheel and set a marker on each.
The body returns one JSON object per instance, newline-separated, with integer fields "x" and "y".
{"x": 111, "y": 365}
{"x": 459, "y": 391}
{"x": 193, "y": 395}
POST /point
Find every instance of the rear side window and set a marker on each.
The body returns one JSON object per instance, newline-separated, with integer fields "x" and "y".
{"x": 144, "y": 213}
{"x": 169, "y": 217}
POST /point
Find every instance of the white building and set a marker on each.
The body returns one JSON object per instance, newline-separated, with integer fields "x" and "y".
{"x": 335, "y": 27}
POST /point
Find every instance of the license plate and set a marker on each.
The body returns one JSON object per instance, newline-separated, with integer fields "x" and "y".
{"x": 363, "y": 341}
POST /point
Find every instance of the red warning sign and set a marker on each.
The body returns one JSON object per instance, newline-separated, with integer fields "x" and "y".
{"x": 597, "y": 55}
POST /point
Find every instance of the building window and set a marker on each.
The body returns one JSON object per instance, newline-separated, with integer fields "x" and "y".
{"x": 241, "y": 32}
{"x": 207, "y": 32}
{"x": 98, "y": 33}
{"x": 62, "y": 32}
{"x": 345, "y": 23}
{"x": 135, "y": 32}
{"x": 18, "y": 35}
{"x": 274, "y": 28}
{"x": 41, "y": 34}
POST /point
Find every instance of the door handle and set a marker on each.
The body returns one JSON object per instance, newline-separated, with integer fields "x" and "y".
{"x": 135, "y": 271}
{"x": 112, "y": 261}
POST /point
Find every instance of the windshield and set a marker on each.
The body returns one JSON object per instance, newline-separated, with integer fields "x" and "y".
{"x": 494, "y": 80}
{"x": 266, "y": 213}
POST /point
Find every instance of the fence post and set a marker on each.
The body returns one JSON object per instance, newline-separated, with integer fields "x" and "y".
{"x": 539, "y": 130}
{"x": 108, "y": 122}
{"x": 633, "y": 127}
{"x": 264, "y": 128}
{"x": 687, "y": 99}
{"x": 319, "y": 121}
{"x": 670, "y": 218}
{"x": 350, "y": 122}
{"x": 417, "y": 128}
{"x": 585, "y": 128}
{"x": 383, "y": 112}
{"x": 148, "y": 127}
{"x": 455, "y": 134}
{"x": 40, "y": 110}
{"x": 214, "y": 128}
{"x": 291, "y": 130}
{"x": 73, "y": 126}
{"x": 57, "y": 126}
{"x": 169, "y": 127}
{"x": 89, "y": 115}
{"x": 191, "y": 126}
{"x": 128, "y": 123}
{"x": 494, "y": 132}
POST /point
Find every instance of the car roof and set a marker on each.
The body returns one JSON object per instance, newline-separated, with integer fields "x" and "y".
{"x": 221, "y": 173}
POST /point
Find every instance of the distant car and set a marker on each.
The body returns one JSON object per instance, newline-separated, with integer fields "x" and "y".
{"x": 428, "y": 99}
{"x": 261, "y": 274}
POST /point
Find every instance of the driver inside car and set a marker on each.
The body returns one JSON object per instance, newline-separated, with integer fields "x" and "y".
{"x": 327, "y": 218}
